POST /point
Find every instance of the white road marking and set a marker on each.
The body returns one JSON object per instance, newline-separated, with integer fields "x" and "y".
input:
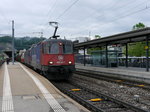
{"x": 7, "y": 102}
{"x": 49, "y": 98}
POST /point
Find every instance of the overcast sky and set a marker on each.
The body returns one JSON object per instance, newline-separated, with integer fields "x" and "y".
{"x": 76, "y": 17}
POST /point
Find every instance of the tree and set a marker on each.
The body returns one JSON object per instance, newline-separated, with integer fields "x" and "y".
{"x": 5, "y": 39}
{"x": 20, "y": 43}
{"x": 137, "y": 49}
{"x": 138, "y": 26}
{"x": 90, "y": 50}
{"x": 94, "y": 49}
{"x": 97, "y": 36}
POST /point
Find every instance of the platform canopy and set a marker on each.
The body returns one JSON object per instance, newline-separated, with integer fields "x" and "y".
{"x": 122, "y": 38}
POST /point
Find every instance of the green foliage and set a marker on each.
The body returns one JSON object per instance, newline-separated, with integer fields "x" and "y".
{"x": 138, "y": 26}
{"x": 26, "y": 42}
{"x": 21, "y": 43}
{"x": 136, "y": 49}
{"x": 5, "y": 39}
{"x": 93, "y": 49}
{"x": 97, "y": 36}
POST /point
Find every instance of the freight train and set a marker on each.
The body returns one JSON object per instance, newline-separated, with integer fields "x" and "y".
{"x": 54, "y": 58}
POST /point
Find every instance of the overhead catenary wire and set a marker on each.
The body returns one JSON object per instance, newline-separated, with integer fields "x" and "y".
{"x": 48, "y": 16}
{"x": 67, "y": 9}
{"x": 108, "y": 8}
{"x": 126, "y": 15}
{"x": 45, "y": 24}
{"x": 126, "y": 6}
{"x": 51, "y": 8}
{"x": 116, "y": 8}
{"x": 111, "y": 6}
{"x": 129, "y": 14}
{"x": 112, "y": 19}
{"x": 123, "y": 15}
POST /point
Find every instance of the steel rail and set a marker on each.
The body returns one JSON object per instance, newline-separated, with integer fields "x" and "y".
{"x": 125, "y": 104}
{"x": 106, "y": 97}
{"x": 113, "y": 79}
{"x": 80, "y": 100}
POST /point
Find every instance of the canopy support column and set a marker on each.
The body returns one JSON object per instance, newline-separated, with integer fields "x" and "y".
{"x": 106, "y": 55}
{"x": 147, "y": 54}
{"x": 126, "y": 54}
{"x": 84, "y": 57}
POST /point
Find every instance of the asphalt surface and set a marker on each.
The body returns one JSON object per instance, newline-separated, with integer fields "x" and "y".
{"x": 28, "y": 97}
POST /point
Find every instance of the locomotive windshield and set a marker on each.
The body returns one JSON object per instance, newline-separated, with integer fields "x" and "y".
{"x": 58, "y": 47}
{"x": 54, "y": 48}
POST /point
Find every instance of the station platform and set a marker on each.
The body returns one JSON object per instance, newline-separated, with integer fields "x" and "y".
{"x": 130, "y": 73}
{"x": 23, "y": 90}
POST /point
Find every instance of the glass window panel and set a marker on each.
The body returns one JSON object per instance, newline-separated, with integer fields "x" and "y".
{"x": 54, "y": 49}
{"x": 68, "y": 48}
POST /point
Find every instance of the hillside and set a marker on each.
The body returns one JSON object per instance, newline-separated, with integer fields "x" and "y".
{"x": 20, "y": 43}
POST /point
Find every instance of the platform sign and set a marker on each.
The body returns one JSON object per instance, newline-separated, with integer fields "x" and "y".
{"x": 146, "y": 47}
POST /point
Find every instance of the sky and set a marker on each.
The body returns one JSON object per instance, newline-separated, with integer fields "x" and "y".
{"x": 76, "y": 18}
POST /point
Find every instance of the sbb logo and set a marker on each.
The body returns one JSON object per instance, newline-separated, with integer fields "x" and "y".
{"x": 60, "y": 58}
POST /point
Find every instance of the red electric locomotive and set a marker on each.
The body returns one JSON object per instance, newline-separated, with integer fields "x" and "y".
{"x": 61, "y": 58}
{"x": 58, "y": 59}
{"x": 53, "y": 57}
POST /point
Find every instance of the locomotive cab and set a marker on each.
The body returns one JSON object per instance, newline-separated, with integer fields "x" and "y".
{"x": 57, "y": 59}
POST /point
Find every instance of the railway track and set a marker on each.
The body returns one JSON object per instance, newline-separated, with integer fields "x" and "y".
{"x": 93, "y": 99}
{"x": 130, "y": 83}
{"x": 99, "y": 98}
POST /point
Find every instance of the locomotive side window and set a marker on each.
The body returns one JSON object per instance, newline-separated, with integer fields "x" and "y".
{"x": 42, "y": 48}
{"x": 54, "y": 48}
{"x": 45, "y": 48}
{"x": 68, "y": 48}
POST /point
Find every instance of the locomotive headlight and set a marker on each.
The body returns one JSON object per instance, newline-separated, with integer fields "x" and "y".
{"x": 69, "y": 62}
{"x": 60, "y": 44}
{"x": 50, "y": 62}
